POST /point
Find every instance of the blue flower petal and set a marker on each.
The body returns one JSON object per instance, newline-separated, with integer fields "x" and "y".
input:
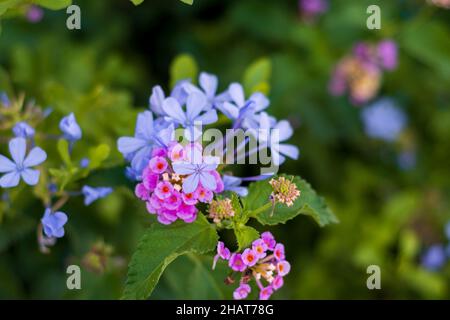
{"x": 30, "y": 176}
{"x": 17, "y": 148}
{"x": 208, "y": 181}
{"x": 190, "y": 184}
{"x": 6, "y": 165}
{"x": 10, "y": 180}
{"x": 35, "y": 157}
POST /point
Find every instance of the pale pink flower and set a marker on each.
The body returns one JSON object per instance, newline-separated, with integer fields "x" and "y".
{"x": 283, "y": 268}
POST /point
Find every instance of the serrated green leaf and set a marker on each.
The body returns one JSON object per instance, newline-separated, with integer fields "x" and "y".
{"x": 159, "y": 246}
{"x": 63, "y": 150}
{"x": 245, "y": 235}
{"x": 183, "y": 67}
{"x": 308, "y": 203}
{"x": 257, "y": 76}
{"x": 237, "y": 207}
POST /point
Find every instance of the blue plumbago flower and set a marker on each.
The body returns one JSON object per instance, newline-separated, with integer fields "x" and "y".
{"x": 157, "y": 98}
{"x": 270, "y": 133}
{"x": 193, "y": 115}
{"x": 84, "y": 163}
{"x": 47, "y": 112}
{"x": 70, "y": 128}
{"x": 198, "y": 171}
{"x": 53, "y": 223}
{"x": 240, "y": 110}
{"x": 23, "y": 130}
{"x": 4, "y": 100}
{"x": 208, "y": 86}
{"x": 20, "y": 167}
{"x": 92, "y": 194}
{"x": 434, "y": 258}
{"x": 147, "y": 135}
{"x": 383, "y": 120}
{"x": 232, "y": 183}
{"x": 132, "y": 174}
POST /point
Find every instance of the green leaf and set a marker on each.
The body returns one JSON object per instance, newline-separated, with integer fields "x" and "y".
{"x": 308, "y": 203}
{"x": 191, "y": 277}
{"x": 13, "y": 230}
{"x": 183, "y": 67}
{"x": 429, "y": 44}
{"x": 245, "y": 235}
{"x": 257, "y": 76}
{"x": 190, "y": 2}
{"x": 54, "y": 4}
{"x": 63, "y": 150}
{"x": 63, "y": 176}
{"x": 137, "y": 2}
{"x": 97, "y": 155}
{"x": 159, "y": 246}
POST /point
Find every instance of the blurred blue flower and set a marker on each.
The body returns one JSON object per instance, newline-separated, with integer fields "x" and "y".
{"x": 53, "y": 223}
{"x": 92, "y": 194}
{"x": 383, "y": 120}
{"x": 70, "y": 128}
{"x": 147, "y": 135}
{"x": 47, "y": 112}
{"x": 20, "y": 167}
{"x": 4, "y": 100}
{"x": 23, "y": 130}
{"x": 434, "y": 258}
{"x": 407, "y": 160}
{"x": 84, "y": 163}
{"x": 232, "y": 183}
{"x": 132, "y": 174}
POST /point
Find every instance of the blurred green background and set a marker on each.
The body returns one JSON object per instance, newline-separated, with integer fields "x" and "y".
{"x": 105, "y": 71}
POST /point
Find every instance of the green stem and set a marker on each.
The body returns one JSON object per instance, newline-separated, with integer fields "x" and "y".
{"x": 265, "y": 207}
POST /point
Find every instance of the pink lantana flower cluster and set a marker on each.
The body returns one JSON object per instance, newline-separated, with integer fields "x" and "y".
{"x": 360, "y": 73}
{"x": 176, "y": 179}
{"x": 264, "y": 262}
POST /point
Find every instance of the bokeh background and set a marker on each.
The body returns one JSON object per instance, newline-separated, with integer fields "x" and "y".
{"x": 390, "y": 215}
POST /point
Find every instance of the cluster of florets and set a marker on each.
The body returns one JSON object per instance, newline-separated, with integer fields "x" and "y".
{"x": 176, "y": 179}
{"x": 264, "y": 262}
{"x": 221, "y": 209}
{"x": 360, "y": 73}
{"x": 284, "y": 191}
